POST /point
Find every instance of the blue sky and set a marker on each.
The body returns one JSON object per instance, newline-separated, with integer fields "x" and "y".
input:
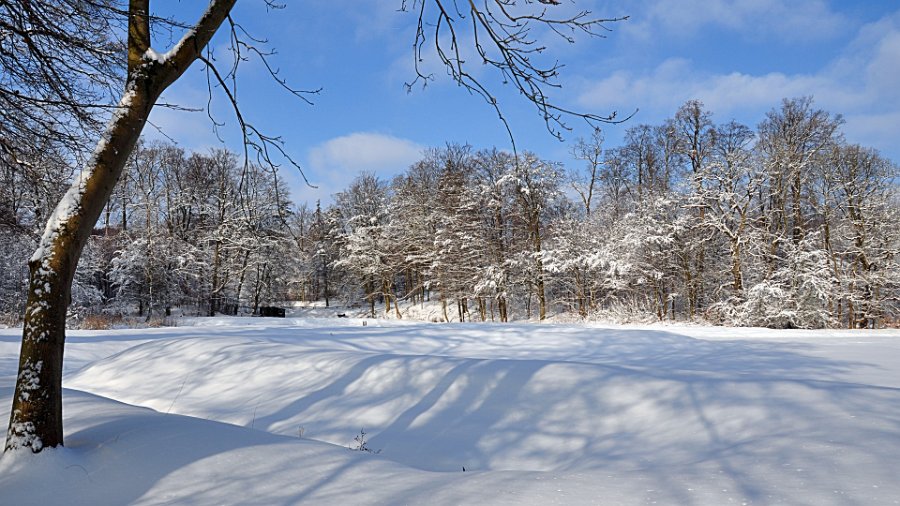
{"x": 740, "y": 57}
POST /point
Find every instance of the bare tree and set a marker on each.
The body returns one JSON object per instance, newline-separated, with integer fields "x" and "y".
{"x": 36, "y": 418}
{"x": 536, "y": 184}
{"x": 503, "y": 34}
{"x": 696, "y": 134}
{"x": 792, "y": 140}
{"x": 72, "y": 74}
{"x": 60, "y": 66}
{"x": 863, "y": 194}
{"x": 585, "y": 183}
{"x": 731, "y": 184}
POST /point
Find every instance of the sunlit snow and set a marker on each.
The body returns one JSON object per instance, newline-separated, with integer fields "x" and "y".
{"x": 264, "y": 411}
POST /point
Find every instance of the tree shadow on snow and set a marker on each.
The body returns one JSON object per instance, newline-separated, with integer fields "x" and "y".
{"x": 767, "y": 421}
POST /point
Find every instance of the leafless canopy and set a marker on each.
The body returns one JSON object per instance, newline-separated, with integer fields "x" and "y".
{"x": 505, "y": 37}
{"x": 62, "y": 68}
{"x": 60, "y": 64}
{"x": 267, "y": 150}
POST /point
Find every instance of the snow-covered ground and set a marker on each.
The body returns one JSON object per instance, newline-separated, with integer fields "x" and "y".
{"x": 262, "y": 411}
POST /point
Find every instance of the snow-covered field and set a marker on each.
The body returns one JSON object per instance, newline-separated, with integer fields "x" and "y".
{"x": 262, "y": 411}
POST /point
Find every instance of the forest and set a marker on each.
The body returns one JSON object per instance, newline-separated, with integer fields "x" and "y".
{"x": 786, "y": 225}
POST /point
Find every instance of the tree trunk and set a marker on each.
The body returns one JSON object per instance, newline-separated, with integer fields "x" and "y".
{"x": 737, "y": 278}
{"x": 240, "y": 285}
{"x": 257, "y": 290}
{"x": 36, "y": 414}
{"x": 370, "y": 290}
{"x": 796, "y": 209}
{"x": 325, "y": 279}
{"x": 36, "y": 420}
{"x": 216, "y": 291}
{"x": 539, "y": 266}
{"x": 386, "y": 293}
{"x": 659, "y": 300}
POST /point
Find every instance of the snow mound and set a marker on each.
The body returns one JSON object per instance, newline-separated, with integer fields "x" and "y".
{"x": 535, "y": 415}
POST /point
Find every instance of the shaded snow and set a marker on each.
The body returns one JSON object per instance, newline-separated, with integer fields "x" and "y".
{"x": 552, "y": 414}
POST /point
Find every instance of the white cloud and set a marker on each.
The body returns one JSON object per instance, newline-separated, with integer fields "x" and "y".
{"x": 793, "y": 20}
{"x": 677, "y": 80}
{"x": 861, "y": 84}
{"x": 883, "y": 69}
{"x": 332, "y": 164}
{"x": 364, "y": 151}
{"x": 875, "y": 129}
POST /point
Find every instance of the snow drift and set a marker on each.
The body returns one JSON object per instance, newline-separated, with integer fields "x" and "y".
{"x": 535, "y": 414}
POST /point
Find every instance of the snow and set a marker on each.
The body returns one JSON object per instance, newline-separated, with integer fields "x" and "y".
{"x": 151, "y": 54}
{"x": 162, "y": 58}
{"x": 212, "y": 412}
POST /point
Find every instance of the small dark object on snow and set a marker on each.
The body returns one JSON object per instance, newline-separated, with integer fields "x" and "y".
{"x": 277, "y": 312}
{"x": 342, "y": 315}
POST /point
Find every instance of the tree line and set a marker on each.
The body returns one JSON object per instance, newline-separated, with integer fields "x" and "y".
{"x": 197, "y": 231}
{"x": 787, "y": 225}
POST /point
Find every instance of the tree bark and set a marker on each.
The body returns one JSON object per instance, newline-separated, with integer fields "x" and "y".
{"x": 737, "y": 282}
{"x": 214, "y": 293}
{"x": 539, "y": 265}
{"x": 36, "y": 415}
